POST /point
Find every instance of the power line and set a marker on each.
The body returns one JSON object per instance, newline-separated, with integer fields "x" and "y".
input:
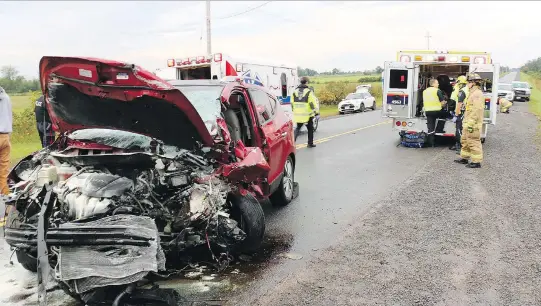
{"x": 244, "y": 12}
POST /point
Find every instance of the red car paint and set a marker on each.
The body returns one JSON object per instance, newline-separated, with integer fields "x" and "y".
{"x": 260, "y": 166}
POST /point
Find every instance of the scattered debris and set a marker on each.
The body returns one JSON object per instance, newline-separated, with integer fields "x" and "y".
{"x": 245, "y": 257}
{"x": 207, "y": 277}
{"x": 236, "y": 271}
{"x": 193, "y": 274}
{"x": 293, "y": 256}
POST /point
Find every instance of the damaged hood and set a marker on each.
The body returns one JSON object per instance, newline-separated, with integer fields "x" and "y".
{"x": 86, "y": 93}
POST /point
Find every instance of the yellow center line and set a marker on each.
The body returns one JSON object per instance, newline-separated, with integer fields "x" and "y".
{"x": 317, "y": 141}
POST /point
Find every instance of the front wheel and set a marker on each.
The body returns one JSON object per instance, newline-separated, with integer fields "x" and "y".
{"x": 28, "y": 261}
{"x": 374, "y": 106}
{"x": 247, "y": 211}
{"x": 361, "y": 108}
{"x": 284, "y": 194}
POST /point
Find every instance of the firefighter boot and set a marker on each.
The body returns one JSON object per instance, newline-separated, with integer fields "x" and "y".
{"x": 473, "y": 165}
{"x": 461, "y": 161}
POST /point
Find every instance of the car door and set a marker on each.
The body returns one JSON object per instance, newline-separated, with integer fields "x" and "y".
{"x": 272, "y": 135}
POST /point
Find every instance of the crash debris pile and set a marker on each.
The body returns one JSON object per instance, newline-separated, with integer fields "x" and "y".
{"x": 114, "y": 224}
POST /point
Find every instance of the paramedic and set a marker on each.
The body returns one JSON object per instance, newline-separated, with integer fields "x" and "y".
{"x": 472, "y": 124}
{"x": 6, "y": 127}
{"x": 434, "y": 101}
{"x": 43, "y": 123}
{"x": 505, "y": 105}
{"x": 460, "y": 93}
{"x": 304, "y": 105}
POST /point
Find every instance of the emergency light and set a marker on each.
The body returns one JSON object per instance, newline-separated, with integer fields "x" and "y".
{"x": 405, "y": 58}
{"x": 418, "y": 58}
{"x": 170, "y": 62}
{"x": 218, "y": 57}
{"x": 441, "y": 58}
{"x": 453, "y": 59}
{"x": 480, "y": 60}
{"x": 200, "y": 60}
{"x": 429, "y": 58}
{"x": 465, "y": 59}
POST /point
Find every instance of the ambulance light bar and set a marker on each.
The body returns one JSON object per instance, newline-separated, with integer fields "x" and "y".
{"x": 188, "y": 61}
{"x": 218, "y": 57}
{"x": 170, "y": 62}
{"x": 442, "y": 58}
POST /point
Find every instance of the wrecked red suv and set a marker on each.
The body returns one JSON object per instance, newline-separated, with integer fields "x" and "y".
{"x": 145, "y": 176}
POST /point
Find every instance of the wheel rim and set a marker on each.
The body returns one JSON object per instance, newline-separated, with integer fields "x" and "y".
{"x": 288, "y": 179}
{"x": 316, "y": 122}
{"x": 362, "y": 107}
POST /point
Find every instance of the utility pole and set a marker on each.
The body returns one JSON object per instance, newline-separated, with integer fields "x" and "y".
{"x": 208, "y": 29}
{"x": 428, "y": 40}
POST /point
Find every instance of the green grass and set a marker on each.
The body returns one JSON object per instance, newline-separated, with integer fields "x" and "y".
{"x": 353, "y": 78}
{"x": 22, "y": 149}
{"x": 535, "y": 99}
{"x": 20, "y": 102}
{"x": 328, "y": 110}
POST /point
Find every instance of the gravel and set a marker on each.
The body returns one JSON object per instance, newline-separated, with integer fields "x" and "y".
{"x": 448, "y": 236}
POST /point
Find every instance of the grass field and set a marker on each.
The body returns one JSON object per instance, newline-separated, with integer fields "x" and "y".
{"x": 20, "y": 102}
{"x": 535, "y": 100}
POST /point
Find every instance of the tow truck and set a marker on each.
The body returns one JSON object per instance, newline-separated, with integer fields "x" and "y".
{"x": 405, "y": 79}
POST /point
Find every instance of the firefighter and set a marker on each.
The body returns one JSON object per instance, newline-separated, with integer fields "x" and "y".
{"x": 471, "y": 153}
{"x": 304, "y": 105}
{"x": 460, "y": 93}
{"x": 6, "y": 127}
{"x": 505, "y": 105}
{"x": 434, "y": 101}
{"x": 43, "y": 123}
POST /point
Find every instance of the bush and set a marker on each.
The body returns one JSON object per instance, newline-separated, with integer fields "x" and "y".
{"x": 24, "y": 123}
{"x": 334, "y": 92}
{"x": 370, "y": 79}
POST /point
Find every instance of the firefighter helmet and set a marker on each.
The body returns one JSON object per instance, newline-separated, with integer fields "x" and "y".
{"x": 462, "y": 79}
{"x": 472, "y": 77}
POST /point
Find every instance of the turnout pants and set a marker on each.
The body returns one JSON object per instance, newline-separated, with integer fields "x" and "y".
{"x": 431, "y": 118}
{"x": 5, "y": 150}
{"x": 472, "y": 148}
{"x": 310, "y": 126}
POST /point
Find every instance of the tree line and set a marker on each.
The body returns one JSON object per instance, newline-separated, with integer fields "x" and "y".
{"x": 13, "y": 82}
{"x": 532, "y": 66}
{"x": 311, "y": 72}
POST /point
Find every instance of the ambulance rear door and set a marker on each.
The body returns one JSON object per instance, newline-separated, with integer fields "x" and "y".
{"x": 398, "y": 89}
{"x": 490, "y": 72}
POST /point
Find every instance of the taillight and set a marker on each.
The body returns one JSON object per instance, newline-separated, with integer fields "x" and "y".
{"x": 398, "y": 123}
{"x": 170, "y": 62}
{"x": 218, "y": 57}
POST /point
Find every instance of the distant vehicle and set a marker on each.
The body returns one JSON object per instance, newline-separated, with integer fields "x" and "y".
{"x": 357, "y": 102}
{"x": 405, "y": 79}
{"x": 522, "y": 90}
{"x": 505, "y": 90}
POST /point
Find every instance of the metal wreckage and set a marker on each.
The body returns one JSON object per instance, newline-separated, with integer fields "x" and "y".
{"x": 108, "y": 212}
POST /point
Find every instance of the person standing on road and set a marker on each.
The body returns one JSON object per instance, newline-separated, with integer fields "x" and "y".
{"x": 303, "y": 103}
{"x": 43, "y": 123}
{"x": 6, "y": 128}
{"x": 472, "y": 148}
{"x": 434, "y": 101}
{"x": 505, "y": 105}
{"x": 459, "y": 95}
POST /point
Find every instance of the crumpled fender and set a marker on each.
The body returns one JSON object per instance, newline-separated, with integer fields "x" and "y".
{"x": 251, "y": 167}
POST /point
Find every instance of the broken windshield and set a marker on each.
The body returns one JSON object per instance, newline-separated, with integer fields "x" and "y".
{"x": 205, "y": 99}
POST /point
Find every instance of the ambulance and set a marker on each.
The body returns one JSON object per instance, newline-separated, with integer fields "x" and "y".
{"x": 405, "y": 79}
{"x": 281, "y": 80}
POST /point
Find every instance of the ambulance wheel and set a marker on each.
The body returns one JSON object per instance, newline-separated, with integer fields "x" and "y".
{"x": 483, "y": 140}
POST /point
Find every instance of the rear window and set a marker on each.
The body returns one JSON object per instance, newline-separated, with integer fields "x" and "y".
{"x": 398, "y": 79}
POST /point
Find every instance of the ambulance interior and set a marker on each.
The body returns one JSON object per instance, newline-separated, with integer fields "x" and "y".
{"x": 444, "y": 73}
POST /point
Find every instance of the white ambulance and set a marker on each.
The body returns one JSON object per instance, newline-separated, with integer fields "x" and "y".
{"x": 281, "y": 79}
{"x": 405, "y": 80}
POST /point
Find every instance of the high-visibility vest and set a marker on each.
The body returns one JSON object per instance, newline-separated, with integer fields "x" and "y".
{"x": 430, "y": 99}
{"x": 301, "y": 108}
{"x": 454, "y": 95}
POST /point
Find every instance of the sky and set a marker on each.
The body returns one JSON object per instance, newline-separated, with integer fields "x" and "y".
{"x": 321, "y": 35}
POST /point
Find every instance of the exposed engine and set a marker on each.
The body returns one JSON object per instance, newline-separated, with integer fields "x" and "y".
{"x": 113, "y": 223}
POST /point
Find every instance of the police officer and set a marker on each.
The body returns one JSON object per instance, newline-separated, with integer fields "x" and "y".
{"x": 434, "y": 101}
{"x": 471, "y": 153}
{"x": 304, "y": 105}
{"x": 43, "y": 123}
{"x": 459, "y": 95}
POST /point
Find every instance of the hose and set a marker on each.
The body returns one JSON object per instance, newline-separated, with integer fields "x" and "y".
{"x": 129, "y": 290}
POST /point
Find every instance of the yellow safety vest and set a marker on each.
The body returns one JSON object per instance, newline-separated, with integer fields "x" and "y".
{"x": 454, "y": 95}
{"x": 430, "y": 99}
{"x": 301, "y": 106}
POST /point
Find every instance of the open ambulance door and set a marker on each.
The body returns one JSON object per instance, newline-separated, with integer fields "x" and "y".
{"x": 489, "y": 72}
{"x": 398, "y": 87}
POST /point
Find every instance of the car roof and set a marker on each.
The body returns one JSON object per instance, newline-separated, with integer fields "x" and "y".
{"x": 228, "y": 84}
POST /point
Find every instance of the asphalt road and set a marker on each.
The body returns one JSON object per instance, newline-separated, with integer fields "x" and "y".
{"x": 356, "y": 164}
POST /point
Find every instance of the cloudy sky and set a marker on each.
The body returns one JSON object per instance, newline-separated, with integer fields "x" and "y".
{"x": 320, "y": 35}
